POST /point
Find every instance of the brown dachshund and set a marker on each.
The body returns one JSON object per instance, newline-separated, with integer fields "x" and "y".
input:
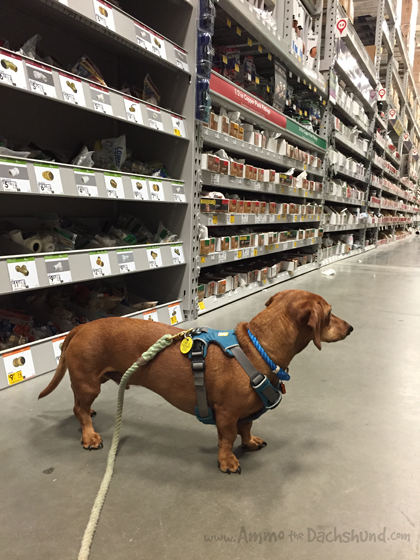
{"x": 105, "y": 349}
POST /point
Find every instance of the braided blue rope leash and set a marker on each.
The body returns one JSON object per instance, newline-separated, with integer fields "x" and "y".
{"x": 281, "y": 374}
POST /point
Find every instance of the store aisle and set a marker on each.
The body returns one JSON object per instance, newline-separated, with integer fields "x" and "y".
{"x": 342, "y": 455}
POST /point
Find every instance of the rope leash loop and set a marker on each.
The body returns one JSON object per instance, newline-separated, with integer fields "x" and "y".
{"x": 165, "y": 341}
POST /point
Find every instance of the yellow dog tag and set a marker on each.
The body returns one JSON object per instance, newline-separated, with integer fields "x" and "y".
{"x": 186, "y": 345}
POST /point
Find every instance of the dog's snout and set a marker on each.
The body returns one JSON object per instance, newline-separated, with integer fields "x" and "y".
{"x": 350, "y": 329}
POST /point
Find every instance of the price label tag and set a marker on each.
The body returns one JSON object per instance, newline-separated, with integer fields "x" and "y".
{"x": 12, "y": 71}
{"x": 100, "y": 265}
{"x": 155, "y": 118}
{"x": 203, "y": 260}
{"x": 57, "y": 346}
{"x": 257, "y": 218}
{"x": 125, "y": 258}
{"x": 272, "y": 218}
{"x": 48, "y": 178}
{"x": 222, "y": 257}
{"x": 72, "y": 89}
{"x": 101, "y": 100}
{"x": 86, "y": 182}
{"x": 114, "y": 185}
{"x": 178, "y": 191}
{"x": 58, "y": 269}
{"x": 156, "y": 189}
{"x": 154, "y": 257}
{"x": 133, "y": 110}
{"x": 140, "y": 188}
{"x": 19, "y": 365}
{"x": 232, "y": 218}
{"x": 41, "y": 79}
{"x": 181, "y": 59}
{"x": 175, "y": 315}
{"x": 255, "y": 252}
{"x": 201, "y": 306}
{"x": 150, "y": 41}
{"x": 295, "y": 244}
{"x": 104, "y": 14}
{"x": 178, "y": 126}
{"x": 151, "y": 315}
{"x": 263, "y": 218}
{"x": 22, "y": 273}
{"x": 177, "y": 254}
{"x": 246, "y": 253}
{"x": 244, "y": 218}
{"x": 214, "y": 178}
{"x": 295, "y": 218}
{"x": 14, "y": 176}
{"x": 257, "y": 186}
{"x": 239, "y": 254}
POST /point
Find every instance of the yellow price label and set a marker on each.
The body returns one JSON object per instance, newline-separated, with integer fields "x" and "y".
{"x": 15, "y": 377}
{"x": 177, "y": 132}
{"x": 268, "y": 89}
{"x": 236, "y": 67}
{"x": 238, "y": 30}
{"x": 203, "y": 260}
{"x": 270, "y": 56}
{"x": 255, "y": 252}
{"x": 310, "y": 86}
{"x": 301, "y": 218}
{"x": 314, "y": 89}
{"x": 284, "y": 216}
{"x": 229, "y": 23}
{"x": 306, "y": 114}
{"x": 249, "y": 42}
{"x": 187, "y": 342}
{"x": 313, "y": 240}
{"x": 214, "y": 220}
{"x": 300, "y": 60}
{"x": 277, "y": 245}
{"x": 224, "y": 58}
{"x": 260, "y": 48}
{"x": 173, "y": 320}
{"x": 304, "y": 81}
{"x": 295, "y": 244}
{"x": 324, "y": 102}
{"x": 295, "y": 219}
{"x": 271, "y": 247}
{"x": 239, "y": 254}
{"x": 295, "y": 189}
{"x": 278, "y": 216}
{"x": 201, "y": 306}
{"x": 304, "y": 166}
{"x": 300, "y": 111}
{"x": 232, "y": 218}
{"x": 282, "y": 190}
{"x": 257, "y": 80}
{"x": 306, "y": 193}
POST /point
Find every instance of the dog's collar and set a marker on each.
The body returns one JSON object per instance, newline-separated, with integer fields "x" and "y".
{"x": 277, "y": 370}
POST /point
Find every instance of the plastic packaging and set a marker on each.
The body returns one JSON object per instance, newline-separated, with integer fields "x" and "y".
{"x": 110, "y": 153}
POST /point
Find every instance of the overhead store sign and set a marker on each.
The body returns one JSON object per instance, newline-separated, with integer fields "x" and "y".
{"x": 341, "y": 28}
{"x": 254, "y": 105}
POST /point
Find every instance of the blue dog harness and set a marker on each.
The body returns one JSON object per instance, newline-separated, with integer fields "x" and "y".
{"x": 269, "y": 394}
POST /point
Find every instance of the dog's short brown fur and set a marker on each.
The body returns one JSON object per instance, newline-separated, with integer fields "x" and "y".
{"x": 105, "y": 349}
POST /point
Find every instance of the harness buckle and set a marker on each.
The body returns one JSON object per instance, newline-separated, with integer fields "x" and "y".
{"x": 257, "y": 380}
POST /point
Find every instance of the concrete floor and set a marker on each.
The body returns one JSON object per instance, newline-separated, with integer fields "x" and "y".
{"x": 343, "y": 449}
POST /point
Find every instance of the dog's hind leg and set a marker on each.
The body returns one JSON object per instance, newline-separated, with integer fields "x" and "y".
{"x": 226, "y": 430}
{"x": 249, "y": 442}
{"x": 83, "y": 400}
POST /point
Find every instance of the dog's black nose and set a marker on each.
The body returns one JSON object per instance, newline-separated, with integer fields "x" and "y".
{"x": 350, "y": 329}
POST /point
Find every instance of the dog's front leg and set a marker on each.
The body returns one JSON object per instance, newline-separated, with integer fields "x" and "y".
{"x": 249, "y": 442}
{"x": 226, "y": 429}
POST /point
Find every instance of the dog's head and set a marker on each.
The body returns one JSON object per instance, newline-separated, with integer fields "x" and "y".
{"x": 311, "y": 316}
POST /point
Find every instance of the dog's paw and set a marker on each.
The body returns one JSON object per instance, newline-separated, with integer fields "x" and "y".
{"x": 94, "y": 441}
{"x": 229, "y": 464}
{"x": 254, "y": 444}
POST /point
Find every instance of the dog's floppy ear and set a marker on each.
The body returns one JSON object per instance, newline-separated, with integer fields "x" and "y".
{"x": 281, "y": 294}
{"x": 267, "y": 303}
{"x": 315, "y": 323}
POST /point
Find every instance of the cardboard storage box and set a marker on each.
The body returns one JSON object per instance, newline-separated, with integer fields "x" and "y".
{"x": 214, "y": 205}
{"x": 210, "y": 162}
{"x": 207, "y": 246}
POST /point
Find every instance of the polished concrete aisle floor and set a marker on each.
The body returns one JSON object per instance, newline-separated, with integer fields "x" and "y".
{"x": 339, "y": 479}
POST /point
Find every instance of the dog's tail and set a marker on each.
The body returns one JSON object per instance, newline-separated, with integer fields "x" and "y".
{"x": 61, "y": 368}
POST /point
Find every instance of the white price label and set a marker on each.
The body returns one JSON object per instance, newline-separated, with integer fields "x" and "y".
{"x": 156, "y": 190}
{"x": 72, "y": 89}
{"x": 133, "y": 110}
{"x": 14, "y": 176}
{"x": 222, "y": 257}
{"x": 215, "y": 179}
{"x": 244, "y": 218}
{"x": 178, "y": 191}
{"x": 19, "y": 365}
{"x": 272, "y": 218}
{"x": 175, "y": 315}
{"x": 140, "y": 188}
{"x": 58, "y": 269}
{"x": 41, "y": 79}
{"x": 264, "y": 218}
{"x": 104, "y": 14}
{"x": 257, "y": 186}
{"x": 150, "y": 41}
{"x": 245, "y": 253}
{"x": 178, "y": 126}
{"x": 125, "y": 259}
{"x": 86, "y": 182}
{"x": 12, "y": 70}
{"x": 257, "y": 218}
{"x": 181, "y": 59}
{"x": 154, "y": 257}
{"x": 100, "y": 265}
{"x": 22, "y": 273}
{"x": 151, "y": 315}
{"x": 114, "y": 185}
{"x": 101, "y": 100}
{"x": 57, "y": 346}
{"x": 177, "y": 254}
{"x": 48, "y": 178}
{"x": 155, "y": 118}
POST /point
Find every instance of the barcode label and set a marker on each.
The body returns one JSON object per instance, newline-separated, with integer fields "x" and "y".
{"x": 69, "y": 97}
{"x": 35, "y": 86}
{"x": 18, "y": 285}
{"x": 97, "y": 272}
{"x": 98, "y": 107}
{"x": 54, "y": 279}
{"x": 4, "y": 76}
{"x": 9, "y": 185}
